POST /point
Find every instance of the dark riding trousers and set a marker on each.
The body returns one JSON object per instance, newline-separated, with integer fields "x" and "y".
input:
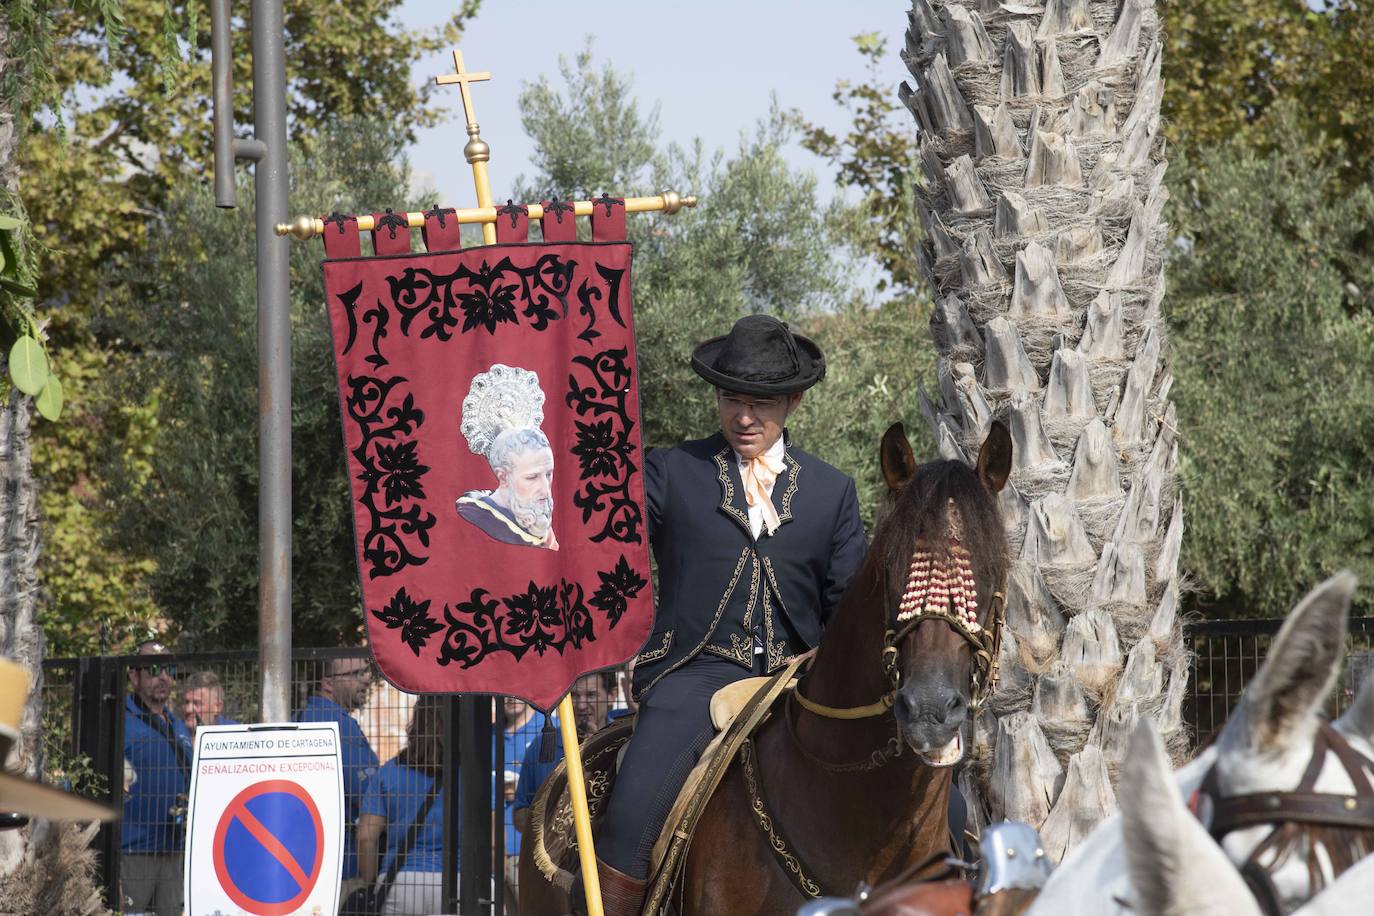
{"x": 720, "y": 594}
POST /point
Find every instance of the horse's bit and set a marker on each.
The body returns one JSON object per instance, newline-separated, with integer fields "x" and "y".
{"x": 934, "y": 590}
{"x": 1223, "y": 815}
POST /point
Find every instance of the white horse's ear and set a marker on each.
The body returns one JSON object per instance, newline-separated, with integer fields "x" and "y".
{"x": 1174, "y": 865}
{"x": 1300, "y": 667}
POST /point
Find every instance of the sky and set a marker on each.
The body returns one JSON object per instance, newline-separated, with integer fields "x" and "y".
{"x": 711, "y": 66}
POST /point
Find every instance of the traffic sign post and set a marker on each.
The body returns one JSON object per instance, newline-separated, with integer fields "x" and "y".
{"x": 266, "y": 828}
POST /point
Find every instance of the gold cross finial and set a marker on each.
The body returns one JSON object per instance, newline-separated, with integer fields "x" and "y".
{"x": 462, "y": 78}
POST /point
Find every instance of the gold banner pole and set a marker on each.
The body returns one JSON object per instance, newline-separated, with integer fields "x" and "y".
{"x": 477, "y": 154}
{"x": 309, "y": 227}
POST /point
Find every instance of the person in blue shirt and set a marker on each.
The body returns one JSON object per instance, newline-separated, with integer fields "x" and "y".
{"x": 342, "y": 689}
{"x": 202, "y": 701}
{"x": 393, "y": 802}
{"x": 157, "y": 747}
{"x": 592, "y": 697}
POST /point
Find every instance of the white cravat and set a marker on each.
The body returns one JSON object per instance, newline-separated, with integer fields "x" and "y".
{"x": 762, "y": 479}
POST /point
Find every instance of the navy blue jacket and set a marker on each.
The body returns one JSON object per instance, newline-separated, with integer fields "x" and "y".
{"x": 719, "y": 589}
{"x": 160, "y": 751}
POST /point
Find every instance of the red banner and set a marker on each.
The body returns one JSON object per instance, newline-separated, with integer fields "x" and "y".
{"x": 490, "y": 409}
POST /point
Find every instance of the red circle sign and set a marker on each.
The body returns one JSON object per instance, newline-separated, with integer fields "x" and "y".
{"x": 272, "y": 841}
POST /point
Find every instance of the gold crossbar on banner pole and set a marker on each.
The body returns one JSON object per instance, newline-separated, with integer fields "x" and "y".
{"x": 309, "y": 227}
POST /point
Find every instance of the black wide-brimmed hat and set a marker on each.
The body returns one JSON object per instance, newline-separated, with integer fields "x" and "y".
{"x": 761, "y": 355}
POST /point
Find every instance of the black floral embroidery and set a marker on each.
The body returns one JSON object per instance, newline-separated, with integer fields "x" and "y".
{"x": 341, "y": 219}
{"x": 600, "y": 448}
{"x": 487, "y": 297}
{"x": 402, "y": 471}
{"x": 617, "y": 588}
{"x": 398, "y": 530}
{"x": 609, "y": 202}
{"x": 484, "y": 307}
{"x": 377, "y": 316}
{"x": 558, "y": 208}
{"x": 411, "y": 618}
{"x": 540, "y": 618}
{"x": 513, "y": 211}
{"x": 392, "y": 221}
{"x": 599, "y": 386}
{"x": 589, "y": 295}
{"x": 440, "y": 214}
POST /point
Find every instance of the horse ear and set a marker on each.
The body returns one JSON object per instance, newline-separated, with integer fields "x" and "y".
{"x": 1175, "y": 867}
{"x": 1300, "y": 667}
{"x": 994, "y": 458}
{"x": 899, "y": 464}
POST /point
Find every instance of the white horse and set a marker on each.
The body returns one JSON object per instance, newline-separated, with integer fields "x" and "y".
{"x": 1166, "y": 862}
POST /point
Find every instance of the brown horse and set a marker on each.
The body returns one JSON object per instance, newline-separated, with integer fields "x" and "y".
{"x": 848, "y": 781}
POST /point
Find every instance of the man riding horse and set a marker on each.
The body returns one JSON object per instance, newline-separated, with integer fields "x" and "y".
{"x": 755, "y": 541}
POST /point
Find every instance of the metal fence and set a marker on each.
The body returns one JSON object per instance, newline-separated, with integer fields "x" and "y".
{"x": 1227, "y": 653}
{"x": 464, "y": 857}
{"x": 397, "y": 752}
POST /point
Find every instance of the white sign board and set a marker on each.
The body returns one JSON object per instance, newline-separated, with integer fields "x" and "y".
{"x": 266, "y": 827}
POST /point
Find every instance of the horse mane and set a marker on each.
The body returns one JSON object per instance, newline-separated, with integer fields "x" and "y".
{"x": 1342, "y": 848}
{"x": 919, "y": 513}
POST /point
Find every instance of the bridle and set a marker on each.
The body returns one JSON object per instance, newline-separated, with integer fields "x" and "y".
{"x": 935, "y": 591}
{"x": 1222, "y": 815}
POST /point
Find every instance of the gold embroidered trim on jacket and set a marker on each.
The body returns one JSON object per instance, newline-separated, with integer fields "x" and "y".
{"x": 720, "y": 609}
{"x": 793, "y": 471}
{"x": 653, "y": 655}
{"x": 777, "y": 649}
{"x": 727, "y": 501}
{"x": 753, "y": 595}
{"x": 741, "y": 650}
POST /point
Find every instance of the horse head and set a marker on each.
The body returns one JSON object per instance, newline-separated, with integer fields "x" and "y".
{"x": 943, "y": 556}
{"x": 1281, "y": 799}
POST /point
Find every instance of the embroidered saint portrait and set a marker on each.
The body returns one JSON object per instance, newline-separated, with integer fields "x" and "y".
{"x": 501, "y": 420}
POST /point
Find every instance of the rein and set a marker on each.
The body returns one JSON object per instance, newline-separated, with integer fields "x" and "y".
{"x": 1302, "y": 806}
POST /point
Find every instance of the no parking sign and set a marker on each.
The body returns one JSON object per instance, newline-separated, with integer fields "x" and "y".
{"x": 266, "y": 827}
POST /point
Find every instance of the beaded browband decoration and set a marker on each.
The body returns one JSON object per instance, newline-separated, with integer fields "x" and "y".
{"x": 946, "y": 589}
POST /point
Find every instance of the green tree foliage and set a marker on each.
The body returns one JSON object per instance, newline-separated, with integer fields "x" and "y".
{"x": 760, "y": 240}
{"x": 190, "y": 302}
{"x": 1274, "y": 329}
{"x": 877, "y": 157}
{"x": 132, "y": 103}
{"x": 1229, "y": 62}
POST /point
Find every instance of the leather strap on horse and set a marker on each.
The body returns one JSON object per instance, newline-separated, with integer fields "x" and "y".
{"x": 848, "y": 712}
{"x": 661, "y": 883}
{"x": 1302, "y": 807}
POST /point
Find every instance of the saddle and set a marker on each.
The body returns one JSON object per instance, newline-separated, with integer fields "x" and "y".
{"x": 737, "y": 710}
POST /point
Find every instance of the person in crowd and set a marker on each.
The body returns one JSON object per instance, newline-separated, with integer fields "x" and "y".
{"x": 202, "y": 701}
{"x": 342, "y": 690}
{"x": 756, "y": 541}
{"x": 523, "y": 728}
{"x": 157, "y": 746}
{"x": 407, "y": 795}
{"x": 593, "y": 696}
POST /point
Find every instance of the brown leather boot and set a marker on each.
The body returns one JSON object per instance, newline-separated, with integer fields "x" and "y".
{"x": 621, "y": 895}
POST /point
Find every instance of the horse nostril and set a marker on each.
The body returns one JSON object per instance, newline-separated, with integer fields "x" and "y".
{"x": 956, "y": 708}
{"x": 906, "y": 706}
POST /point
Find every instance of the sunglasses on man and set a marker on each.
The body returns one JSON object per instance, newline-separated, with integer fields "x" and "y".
{"x": 156, "y": 670}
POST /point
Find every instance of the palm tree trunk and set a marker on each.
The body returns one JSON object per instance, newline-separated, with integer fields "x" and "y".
{"x": 1043, "y": 190}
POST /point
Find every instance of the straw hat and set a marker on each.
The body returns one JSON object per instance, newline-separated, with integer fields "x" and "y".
{"x": 25, "y": 796}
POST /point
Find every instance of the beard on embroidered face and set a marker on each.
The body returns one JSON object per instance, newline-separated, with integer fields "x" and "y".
{"x": 535, "y": 516}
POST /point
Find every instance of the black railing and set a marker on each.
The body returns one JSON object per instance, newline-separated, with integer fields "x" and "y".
{"x": 1227, "y": 653}
{"x": 87, "y": 748}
